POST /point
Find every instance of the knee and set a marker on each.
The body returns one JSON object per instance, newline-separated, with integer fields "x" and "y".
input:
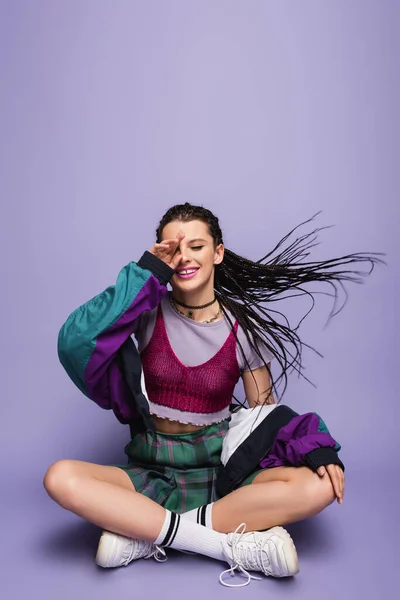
{"x": 60, "y": 482}
{"x": 318, "y": 490}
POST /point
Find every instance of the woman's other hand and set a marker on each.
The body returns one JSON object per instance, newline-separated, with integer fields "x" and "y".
{"x": 337, "y": 478}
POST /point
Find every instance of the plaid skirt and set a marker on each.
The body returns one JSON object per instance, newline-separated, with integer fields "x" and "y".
{"x": 178, "y": 471}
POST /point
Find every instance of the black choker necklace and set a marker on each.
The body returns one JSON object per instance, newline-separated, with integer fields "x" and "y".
{"x": 190, "y": 313}
{"x": 192, "y": 308}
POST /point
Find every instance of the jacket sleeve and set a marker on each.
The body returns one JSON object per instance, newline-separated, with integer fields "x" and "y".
{"x": 90, "y": 339}
{"x": 305, "y": 440}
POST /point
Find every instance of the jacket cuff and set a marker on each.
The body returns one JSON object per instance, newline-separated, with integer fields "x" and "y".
{"x": 158, "y": 267}
{"x": 321, "y": 457}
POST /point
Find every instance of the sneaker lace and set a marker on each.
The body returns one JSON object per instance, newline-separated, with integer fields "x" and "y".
{"x": 152, "y": 551}
{"x": 158, "y": 554}
{"x": 243, "y": 557}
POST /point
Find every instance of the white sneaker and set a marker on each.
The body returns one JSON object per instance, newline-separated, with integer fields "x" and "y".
{"x": 118, "y": 551}
{"x": 272, "y": 552}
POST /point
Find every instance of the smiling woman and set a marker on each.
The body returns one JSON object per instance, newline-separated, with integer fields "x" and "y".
{"x": 195, "y": 342}
{"x": 193, "y": 281}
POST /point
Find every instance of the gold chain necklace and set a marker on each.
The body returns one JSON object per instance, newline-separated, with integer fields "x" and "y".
{"x": 189, "y": 316}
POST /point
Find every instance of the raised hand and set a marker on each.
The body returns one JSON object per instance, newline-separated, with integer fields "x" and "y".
{"x": 168, "y": 250}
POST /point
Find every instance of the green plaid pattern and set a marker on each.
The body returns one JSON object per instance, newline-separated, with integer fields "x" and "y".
{"x": 178, "y": 471}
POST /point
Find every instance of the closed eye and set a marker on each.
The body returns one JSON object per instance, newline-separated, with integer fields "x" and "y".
{"x": 197, "y": 247}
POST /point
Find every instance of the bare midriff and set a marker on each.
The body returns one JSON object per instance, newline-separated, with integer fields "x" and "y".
{"x": 167, "y": 426}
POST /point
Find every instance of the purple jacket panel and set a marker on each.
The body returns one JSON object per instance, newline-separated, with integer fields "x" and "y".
{"x": 294, "y": 441}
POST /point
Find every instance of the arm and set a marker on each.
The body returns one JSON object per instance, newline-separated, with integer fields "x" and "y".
{"x": 89, "y": 341}
{"x": 257, "y": 385}
{"x": 309, "y": 435}
{"x": 304, "y": 441}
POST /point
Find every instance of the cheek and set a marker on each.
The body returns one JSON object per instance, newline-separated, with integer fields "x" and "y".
{"x": 208, "y": 260}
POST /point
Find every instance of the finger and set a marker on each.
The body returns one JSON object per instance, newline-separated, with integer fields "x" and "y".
{"x": 175, "y": 241}
{"x": 169, "y": 250}
{"x": 321, "y": 471}
{"x": 169, "y": 243}
{"x": 173, "y": 244}
{"x": 176, "y": 259}
{"x": 167, "y": 253}
{"x": 335, "y": 481}
{"x": 340, "y": 483}
{"x": 159, "y": 250}
{"x": 341, "y": 478}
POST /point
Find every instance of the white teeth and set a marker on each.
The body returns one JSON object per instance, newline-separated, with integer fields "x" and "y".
{"x": 188, "y": 272}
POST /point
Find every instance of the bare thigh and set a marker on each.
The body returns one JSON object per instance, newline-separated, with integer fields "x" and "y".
{"x": 63, "y": 471}
{"x": 284, "y": 474}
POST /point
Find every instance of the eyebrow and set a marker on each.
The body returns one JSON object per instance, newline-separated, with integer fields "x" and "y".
{"x": 197, "y": 240}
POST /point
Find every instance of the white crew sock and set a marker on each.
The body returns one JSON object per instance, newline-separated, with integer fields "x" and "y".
{"x": 201, "y": 515}
{"x": 182, "y": 534}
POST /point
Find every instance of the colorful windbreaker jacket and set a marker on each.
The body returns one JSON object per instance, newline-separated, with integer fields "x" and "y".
{"x": 96, "y": 350}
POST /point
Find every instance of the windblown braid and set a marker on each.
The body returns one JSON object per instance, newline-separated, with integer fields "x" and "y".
{"x": 248, "y": 289}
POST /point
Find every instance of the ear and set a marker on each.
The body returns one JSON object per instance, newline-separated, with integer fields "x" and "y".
{"x": 219, "y": 254}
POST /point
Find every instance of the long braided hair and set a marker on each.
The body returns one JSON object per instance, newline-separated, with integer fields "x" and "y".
{"x": 248, "y": 289}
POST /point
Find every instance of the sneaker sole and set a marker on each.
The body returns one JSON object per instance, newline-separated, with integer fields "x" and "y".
{"x": 106, "y": 550}
{"x": 289, "y": 551}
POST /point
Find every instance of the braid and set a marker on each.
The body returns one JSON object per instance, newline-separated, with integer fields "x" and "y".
{"x": 248, "y": 289}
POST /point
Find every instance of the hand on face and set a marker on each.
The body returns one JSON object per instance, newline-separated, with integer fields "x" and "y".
{"x": 166, "y": 250}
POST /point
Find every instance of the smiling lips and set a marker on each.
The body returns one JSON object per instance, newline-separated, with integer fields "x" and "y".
{"x": 187, "y": 273}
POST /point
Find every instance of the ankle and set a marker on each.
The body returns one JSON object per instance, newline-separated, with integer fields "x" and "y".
{"x": 201, "y": 515}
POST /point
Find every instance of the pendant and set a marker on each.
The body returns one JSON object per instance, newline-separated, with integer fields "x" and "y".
{"x": 190, "y": 314}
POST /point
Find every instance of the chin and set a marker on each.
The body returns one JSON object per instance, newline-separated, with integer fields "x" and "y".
{"x": 186, "y": 287}
{"x": 189, "y": 286}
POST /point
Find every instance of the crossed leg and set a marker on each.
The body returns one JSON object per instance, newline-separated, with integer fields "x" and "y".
{"x": 276, "y": 497}
{"x": 105, "y": 496}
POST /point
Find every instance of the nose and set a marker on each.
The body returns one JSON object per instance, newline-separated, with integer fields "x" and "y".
{"x": 184, "y": 258}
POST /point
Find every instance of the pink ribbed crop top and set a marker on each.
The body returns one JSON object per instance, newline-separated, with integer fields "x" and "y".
{"x": 198, "y": 395}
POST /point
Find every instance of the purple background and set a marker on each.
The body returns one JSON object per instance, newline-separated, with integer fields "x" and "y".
{"x": 264, "y": 111}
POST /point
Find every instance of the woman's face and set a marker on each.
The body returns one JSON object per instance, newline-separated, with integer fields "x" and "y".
{"x": 195, "y": 270}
